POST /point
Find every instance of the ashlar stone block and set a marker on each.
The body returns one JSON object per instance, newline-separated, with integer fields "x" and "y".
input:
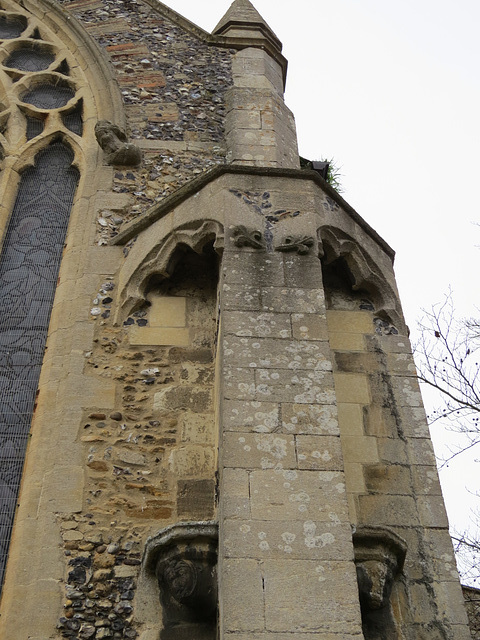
{"x": 289, "y": 494}
{"x": 278, "y": 354}
{"x": 310, "y": 419}
{"x": 258, "y": 451}
{"x": 241, "y": 595}
{"x": 260, "y": 417}
{"x": 261, "y": 325}
{"x": 311, "y": 596}
{"x": 319, "y": 452}
{"x": 302, "y": 539}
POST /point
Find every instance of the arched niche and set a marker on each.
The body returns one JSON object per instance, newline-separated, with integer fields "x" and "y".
{"x": 353, "y": 278}
{"x": 142, "y": 269}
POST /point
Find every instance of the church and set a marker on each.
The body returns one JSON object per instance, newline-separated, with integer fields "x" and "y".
{"x": 210, "y": 422}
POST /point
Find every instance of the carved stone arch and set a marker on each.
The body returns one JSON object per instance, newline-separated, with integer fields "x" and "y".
{"x": 160, "y": 261}
{"x": 364, "y": 272}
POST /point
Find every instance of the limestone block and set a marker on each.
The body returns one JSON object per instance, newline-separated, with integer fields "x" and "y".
{"x": 392, "y": 450}
{"x": 401, "y": 364}
{"x": 261, "y": 325}
{"x": 350, "y": 321}
{"x": 260, "y": 417}
{"x": 104, "y": 260}
{"x": 241, "y": 298}
{"x": 189, "y": 397}
{"x": 253, "y": 269}
{"x": 192, "y": 461}
{"x": 295, "y": 386}
{"x": 258, "y": 451}
{"x": 352, "y": 388}
{"x": 347, "y": 341}
{"x": 62, "y": 490}
{"x": 421, "y": 452}
{"x": 354, "y": 477}
{"x": 350, "y": 418}
{"x": 319, "y": 452}
{"x": 360, "y": 449}
{"x": 440, "y": 550}
{"x": 407, "y": 392}
{"x": 390, "y": 478}
{"x": 425, "y": 480}
{"x": 312, "y": 419}
{"x": 167, "y": 311}
{"x": 175, "y": 337}
{"x": 239, "y": 384}
{"x": 278, "y": 354}
{"x": 199, "y": 428}
{"x": 289, "y": 494}
{"x": 287, "y": 539}
{"x": 414, "y": 422}
{"x": 241, "y": 595}
{"x": 303, "y": 271}
{"x": 309, "y": 327}
{"x": 357, "y": 362}
{"x": 423, "y": 609}
{"x": 196, "y": 499}
{"x": 249, "y": 154}
{"x": 243, "y": 119}
{"x": 432, "y": 511}
{"x": 388, "y": 510}
{"x": 254, "y": 138}
{"x": 288, "y": 300}
{"x": 389, "y": 344}
{"x": 310, "y": 596}
{"x": 235, "y": 493}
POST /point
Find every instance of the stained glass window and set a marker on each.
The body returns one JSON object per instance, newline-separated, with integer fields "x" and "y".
{"x": 29, "y": 265}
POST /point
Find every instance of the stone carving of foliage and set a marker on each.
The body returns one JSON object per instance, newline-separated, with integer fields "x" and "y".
{"x": 299, "y": 244}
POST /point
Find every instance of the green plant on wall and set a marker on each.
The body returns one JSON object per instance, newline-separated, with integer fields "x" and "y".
{"x": 332, "y": 175}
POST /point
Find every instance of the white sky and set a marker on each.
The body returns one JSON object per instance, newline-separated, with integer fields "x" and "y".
{"x": 391, "y": 90}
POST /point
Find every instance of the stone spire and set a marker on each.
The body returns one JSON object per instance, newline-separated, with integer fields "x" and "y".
{"x": 242, "y": 20}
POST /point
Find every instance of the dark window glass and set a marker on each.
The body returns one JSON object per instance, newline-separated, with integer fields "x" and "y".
{"x": 12, "y": 27}
{"x": 28, "y": 59}
{"x": 34, "y": 127}
{"x": 29, "y": 266}
{"x": 48, "y": 96}
{"x": 73, "y": 120}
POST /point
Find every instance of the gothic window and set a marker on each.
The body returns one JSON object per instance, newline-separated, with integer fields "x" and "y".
{"x": 43, "y": 97}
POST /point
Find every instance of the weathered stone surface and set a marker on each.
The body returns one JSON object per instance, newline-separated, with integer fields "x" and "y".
{"x": 261, "y": 325}
{"x": 289, "y": 494}
{"x": 298, "y": 593}
{"x": 289, "y": 539}
{"x": 242, "y": 595}
{"x": 295, "y": 387}
{"x": 309, "y": 327}
{"x": 323, "y": 453}
{"x": 261, "y": 417}
{"x": 278, "y": 354}
{"x": 259, "y": 451}
{"x": 312, "y": 419}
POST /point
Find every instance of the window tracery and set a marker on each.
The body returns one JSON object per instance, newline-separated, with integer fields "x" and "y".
{"x": 42, "y": 99}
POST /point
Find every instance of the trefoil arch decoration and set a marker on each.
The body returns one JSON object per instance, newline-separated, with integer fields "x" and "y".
{"x": 364, "y": 273}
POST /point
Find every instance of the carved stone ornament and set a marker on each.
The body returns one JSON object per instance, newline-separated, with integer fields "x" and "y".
{"x": 300, "y": 244}
{"x": 379, "y": 557}
{"x": 184, "y": 561}
{"x": 243, "y": 237}
{"x": 114, "y": 142}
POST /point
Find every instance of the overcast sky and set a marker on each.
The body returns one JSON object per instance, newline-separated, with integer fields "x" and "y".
{"x": 391, "y": 91}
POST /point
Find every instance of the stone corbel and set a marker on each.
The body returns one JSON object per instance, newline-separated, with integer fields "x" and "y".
{"x": 379, "y": 558}
{"x": 114, "y": 142}
{"x": 184, "y": 560}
